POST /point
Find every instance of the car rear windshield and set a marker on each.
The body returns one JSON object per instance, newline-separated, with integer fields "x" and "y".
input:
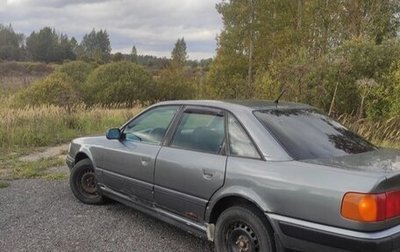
{"x": 307, "y": 134}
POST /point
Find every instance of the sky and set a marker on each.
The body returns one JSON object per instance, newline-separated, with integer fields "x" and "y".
{"x": 153, "y": 26}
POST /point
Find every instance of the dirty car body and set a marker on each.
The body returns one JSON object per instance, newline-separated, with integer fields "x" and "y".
{"x": 311, "y": 184}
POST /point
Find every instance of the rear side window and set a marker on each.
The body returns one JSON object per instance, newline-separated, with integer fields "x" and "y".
{"x": 307, "y": 134}
{"x": 200, "y": 132}
{"x": 240, "y": 143}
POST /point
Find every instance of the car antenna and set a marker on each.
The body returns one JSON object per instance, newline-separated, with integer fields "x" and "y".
{"x": 279, "y": 97}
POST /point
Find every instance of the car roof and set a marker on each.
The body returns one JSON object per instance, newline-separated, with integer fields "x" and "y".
{"x": 240, "y": 104}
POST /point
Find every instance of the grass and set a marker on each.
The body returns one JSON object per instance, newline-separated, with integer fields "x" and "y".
{"x": 384, "y": 133}
{"x": 35, "y": 169}
{"x": 12, "y": 167}
{"x": 24, "y": 128}
{"x": 4, "y": 184}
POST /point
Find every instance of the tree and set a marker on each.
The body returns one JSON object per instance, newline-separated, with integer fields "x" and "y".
{"x": 134, "y": 56}
{"x": 96, "y": 45}
{"x": 173, "y": 82}
{"x": 11, "y": 44}
{"x": 317, "y": 50}
{"x": 118, "y": 57}
{"x": 48, "y": 46}
{"x": 178, "y": 54}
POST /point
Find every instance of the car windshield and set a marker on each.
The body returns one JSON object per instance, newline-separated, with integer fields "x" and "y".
{"x": 307, "y": 134}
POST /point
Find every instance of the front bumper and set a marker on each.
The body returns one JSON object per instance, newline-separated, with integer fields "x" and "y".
{"x": 70, "y": 161}
{"x": 307, "y": 236}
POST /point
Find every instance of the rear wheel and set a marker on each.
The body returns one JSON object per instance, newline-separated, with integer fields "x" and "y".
{"x": 83, "y": 183}
{"x": 240, "y": 229}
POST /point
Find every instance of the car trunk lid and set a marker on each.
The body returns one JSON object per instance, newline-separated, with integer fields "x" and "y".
{"x": 377, "y": 161}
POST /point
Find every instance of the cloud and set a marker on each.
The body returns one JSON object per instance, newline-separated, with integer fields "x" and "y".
{"x": 152, "y": 25}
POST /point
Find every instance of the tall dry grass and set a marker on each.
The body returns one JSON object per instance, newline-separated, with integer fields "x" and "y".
{"x": 49, "y": 125}
{"x": 384, "y": 133}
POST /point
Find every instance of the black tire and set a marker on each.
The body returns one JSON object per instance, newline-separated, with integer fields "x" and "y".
{"x": 83, "y": 183}
{"x": 241, "y": 229}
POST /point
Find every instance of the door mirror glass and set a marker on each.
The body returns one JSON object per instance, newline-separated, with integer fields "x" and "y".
{"x": 113, "y": 133}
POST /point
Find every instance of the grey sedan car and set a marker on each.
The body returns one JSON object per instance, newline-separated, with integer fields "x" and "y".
{"x": 248, "y": 175}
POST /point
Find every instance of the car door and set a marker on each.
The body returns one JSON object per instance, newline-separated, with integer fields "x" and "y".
{"x": 128, "y": 164}
{"x": 191, "y": 167}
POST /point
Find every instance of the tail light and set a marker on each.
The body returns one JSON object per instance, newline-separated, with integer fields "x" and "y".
{"x": 371, "y": 207}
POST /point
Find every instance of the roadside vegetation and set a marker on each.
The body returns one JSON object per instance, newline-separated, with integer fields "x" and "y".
{"x": 44, "y": 125}
{"x": 340, "y": 56}
{"x": 29, "y": 129}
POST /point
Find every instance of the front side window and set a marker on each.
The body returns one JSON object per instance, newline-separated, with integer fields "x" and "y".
{"x": 151, "y": 126}
{"x": 239, "y": 142}
{"x": 307, "y": 134}
{"x": 201, "y": 132}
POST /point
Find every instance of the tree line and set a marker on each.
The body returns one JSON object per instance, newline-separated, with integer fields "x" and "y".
{"x": 341, "y": 56}
{"x": 48, "y": 45}
{"x": 121, "y": 81}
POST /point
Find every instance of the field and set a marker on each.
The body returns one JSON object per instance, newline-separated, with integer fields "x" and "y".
{"x": 29, "y": 127}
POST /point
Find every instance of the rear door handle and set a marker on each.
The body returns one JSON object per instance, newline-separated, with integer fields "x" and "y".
{"x": 145, "y": 160}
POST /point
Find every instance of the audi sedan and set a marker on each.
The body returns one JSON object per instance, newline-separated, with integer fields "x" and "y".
{"x": 248, "y": 175}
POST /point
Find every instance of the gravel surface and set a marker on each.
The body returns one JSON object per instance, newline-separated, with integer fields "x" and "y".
{"x": 41, "y": 215}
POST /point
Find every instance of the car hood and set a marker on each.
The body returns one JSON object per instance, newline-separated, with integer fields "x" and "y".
{"x": 380, "y": 160}
{"x": 90, "y": 139}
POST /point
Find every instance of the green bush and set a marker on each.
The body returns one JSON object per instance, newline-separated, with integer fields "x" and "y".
{"x": 172, "y": 84}
{"x": 117, "y": 82}
{"x": 56, "y": 89}
{"x": 78, "y": 71}
{"x": 392, "y": 94}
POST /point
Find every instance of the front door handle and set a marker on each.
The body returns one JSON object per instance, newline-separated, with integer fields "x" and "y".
{"x": 208, "y": 174}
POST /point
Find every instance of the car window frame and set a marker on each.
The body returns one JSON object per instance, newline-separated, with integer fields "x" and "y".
{"x": 197, "y": 109}
{"x": 227, "y": 143}
{"x": 179, "y": 108}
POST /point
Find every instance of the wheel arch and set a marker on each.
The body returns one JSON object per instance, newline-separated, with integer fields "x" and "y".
{"x": 234, "y": 197}
{"x": 84, "y": 153}
{"x": 81, "y": 156}
{"x": 232, "y": 200}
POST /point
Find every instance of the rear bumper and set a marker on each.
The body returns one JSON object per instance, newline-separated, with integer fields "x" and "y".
{"x": 307, "y": 236}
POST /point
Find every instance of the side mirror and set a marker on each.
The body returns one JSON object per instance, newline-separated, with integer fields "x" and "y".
{"x": 113, "y": 133}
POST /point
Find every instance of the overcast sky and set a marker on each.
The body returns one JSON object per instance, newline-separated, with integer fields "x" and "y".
{"x": 153, "y": 26}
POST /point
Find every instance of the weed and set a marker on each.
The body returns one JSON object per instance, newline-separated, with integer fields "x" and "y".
{"x": 13, "y": 168}
{"x": 35, "y": 169}
{"x": 56, "y": 176}
{"x": 4, "y": 184}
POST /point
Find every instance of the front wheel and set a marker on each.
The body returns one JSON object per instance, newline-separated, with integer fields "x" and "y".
{"x": 83, "y": 183}
{"x": 240, "y": 229}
